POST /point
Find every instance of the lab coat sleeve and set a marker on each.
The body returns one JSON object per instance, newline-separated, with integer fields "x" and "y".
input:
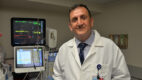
{"x": 120, "y": 70}
{"x": 58, "y": 69}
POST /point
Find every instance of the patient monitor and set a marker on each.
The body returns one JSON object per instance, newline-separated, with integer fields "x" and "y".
{"x": 28, "y": 59}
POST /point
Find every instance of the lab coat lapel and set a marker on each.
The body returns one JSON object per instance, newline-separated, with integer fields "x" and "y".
{"x": 97, "y": 43}
{"x": 75, "y": 51}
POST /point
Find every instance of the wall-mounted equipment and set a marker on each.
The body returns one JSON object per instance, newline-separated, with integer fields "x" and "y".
{"x": 51, "y": 38}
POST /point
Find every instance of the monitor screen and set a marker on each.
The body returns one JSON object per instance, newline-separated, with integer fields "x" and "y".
{"x": 28, "y": 58}
{"x": 27, "y": 31}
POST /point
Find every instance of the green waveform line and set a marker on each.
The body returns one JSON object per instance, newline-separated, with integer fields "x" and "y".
{"x": 21, "y": 31}
{"x": 31, "y": 22}
{"x": 36, "y": 32}
{"x": 20, "y": 21}
{"x": 36, "y": 23}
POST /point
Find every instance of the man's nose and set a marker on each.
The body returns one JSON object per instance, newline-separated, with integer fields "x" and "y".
{"x": 79, "y": 21}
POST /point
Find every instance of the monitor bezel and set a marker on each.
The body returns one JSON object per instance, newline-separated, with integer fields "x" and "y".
{"x": 27, "y": 19}
{"x": 31, "y": 68}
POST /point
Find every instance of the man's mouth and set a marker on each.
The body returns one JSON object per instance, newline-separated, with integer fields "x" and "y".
{"x": 80, "y": 27}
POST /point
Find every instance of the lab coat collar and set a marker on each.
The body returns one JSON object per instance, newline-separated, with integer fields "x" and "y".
{"x": 98, "y": 41}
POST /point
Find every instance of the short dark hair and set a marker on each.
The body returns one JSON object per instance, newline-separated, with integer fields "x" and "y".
{"x": 80, "y": 5}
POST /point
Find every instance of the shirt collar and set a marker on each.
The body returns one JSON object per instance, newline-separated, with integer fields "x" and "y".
{"x": 89, "y": 41}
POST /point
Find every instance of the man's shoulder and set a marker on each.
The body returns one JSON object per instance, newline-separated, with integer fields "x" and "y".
{"x": 107, "y": 40}
{"x": 68, "y": 43}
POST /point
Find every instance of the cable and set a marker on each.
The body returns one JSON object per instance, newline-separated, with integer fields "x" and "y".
{"x": 25, "y": 76}
{"x": 38, "y": 75}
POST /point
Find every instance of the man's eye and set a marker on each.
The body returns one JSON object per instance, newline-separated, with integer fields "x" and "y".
{"x": 83, "y": 17}
{"x": 74, "y": 19}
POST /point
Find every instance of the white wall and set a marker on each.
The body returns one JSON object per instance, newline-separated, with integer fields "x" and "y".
{"x": 124, "y": 16}
{"x": 119, "y": 17}
{"x": 57, "y": 20}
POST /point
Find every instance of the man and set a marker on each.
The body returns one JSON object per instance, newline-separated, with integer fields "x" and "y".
{"x": 88, "y": 56}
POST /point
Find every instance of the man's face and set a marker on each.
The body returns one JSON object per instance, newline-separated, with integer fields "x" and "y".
{"x": 80, "y": 22}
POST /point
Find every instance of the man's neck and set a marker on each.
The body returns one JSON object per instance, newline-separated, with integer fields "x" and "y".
{"x": 83, "y": 38}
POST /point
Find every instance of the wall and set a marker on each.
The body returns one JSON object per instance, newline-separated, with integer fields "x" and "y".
{"x": 54, "y": 19}
{"x": 120, "y": 17}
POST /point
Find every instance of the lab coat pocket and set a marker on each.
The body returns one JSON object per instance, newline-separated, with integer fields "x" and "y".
{"x": 105, "y": 72}
{"x": 101, "y": 70}
{"x": 91, "y": 71}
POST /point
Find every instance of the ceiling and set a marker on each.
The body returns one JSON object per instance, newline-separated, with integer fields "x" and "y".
{"x": 52, "y": 4}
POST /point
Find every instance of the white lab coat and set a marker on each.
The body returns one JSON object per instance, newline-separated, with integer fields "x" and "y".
{"x": 103, "y": 51}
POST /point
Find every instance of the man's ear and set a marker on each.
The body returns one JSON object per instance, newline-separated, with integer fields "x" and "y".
{"x": 92, "y": 21}
{"x": 70, "y": 27}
